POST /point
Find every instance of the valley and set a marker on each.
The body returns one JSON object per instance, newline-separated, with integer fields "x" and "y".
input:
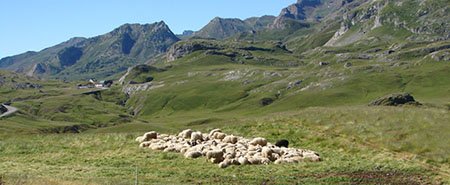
{"x": 309, "y": 75}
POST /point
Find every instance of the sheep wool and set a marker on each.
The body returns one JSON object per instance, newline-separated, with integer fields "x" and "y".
{"x": 150, "y": 135}
{"x": 192, "y": 154}
{"x": 230, "y": 139}
{"x": 185, "y": 133}
{"x": 196, "y": 136}
{"x": 225, "y": 150}
{"x": 259, "y": 141}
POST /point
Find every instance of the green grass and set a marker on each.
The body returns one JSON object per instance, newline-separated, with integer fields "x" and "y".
{"x": 347, "y": 138}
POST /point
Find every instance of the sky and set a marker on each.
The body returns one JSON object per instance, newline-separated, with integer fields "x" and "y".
{"x": 32, "y": 25}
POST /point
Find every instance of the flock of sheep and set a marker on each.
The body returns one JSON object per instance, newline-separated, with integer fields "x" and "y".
{"x": 224, "y": 149}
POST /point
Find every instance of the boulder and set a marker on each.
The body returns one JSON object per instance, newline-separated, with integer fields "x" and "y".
{"x": 3, "y": 109}
{"x": 395, "y": 99}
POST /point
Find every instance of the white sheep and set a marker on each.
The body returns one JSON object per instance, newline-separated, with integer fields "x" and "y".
{"x": 145, "y": 144}
{"x": 259, "y": 141}
{"x": 140, "y": 139}
{"x": 266, "y": 152}
{"x": 192, "y": 154}
{"x": 243, "y": 160}
{"x": 150, "y": 135}
{"x": 196, "y": 136}
{"x": 215, "y": 156}
{"x": 185, "y": 133}
{"x": 224, "y": 149}
{"x": 170, "y": 149}
{"x": 230, "y": 139}
{"x": 211, "y": 133}
{"x": 311, "y": 156}
{"x": 219, "y": 135}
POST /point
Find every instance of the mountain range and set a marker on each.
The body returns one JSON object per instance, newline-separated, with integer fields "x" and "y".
{"x": 300, "y": 27}
{"x": 97, "y": 57}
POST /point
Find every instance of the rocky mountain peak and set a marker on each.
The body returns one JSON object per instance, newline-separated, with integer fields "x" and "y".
{"x": 311, "y": 10}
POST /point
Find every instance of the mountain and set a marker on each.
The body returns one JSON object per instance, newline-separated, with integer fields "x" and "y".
{"x": 97, "y": 57}
{"x": 409, "y": 21}
{"x": 220, "y": 28}
{"x": 310, "y": 10}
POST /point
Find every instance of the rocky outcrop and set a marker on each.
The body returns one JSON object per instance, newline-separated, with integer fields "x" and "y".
{"x": 182, "y": 49}
{"x": 396, "y": 99}
{"x": 3, "y": 109}
{"x": 310, "y": 10}
{"x": 69, "y": 56}
{"x": 413, "y": 16}
{"x": 221, "y": 28}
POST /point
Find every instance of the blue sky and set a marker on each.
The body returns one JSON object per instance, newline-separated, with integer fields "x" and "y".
{"x": 32, "y": 25}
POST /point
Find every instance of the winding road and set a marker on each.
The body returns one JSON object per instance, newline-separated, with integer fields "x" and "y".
{"x": 11, "y": 110}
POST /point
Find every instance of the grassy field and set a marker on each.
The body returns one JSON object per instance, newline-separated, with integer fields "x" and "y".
{"x": 357, "y": 144}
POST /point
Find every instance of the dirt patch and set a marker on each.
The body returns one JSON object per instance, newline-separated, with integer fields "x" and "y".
{"x": 377, "y": 177}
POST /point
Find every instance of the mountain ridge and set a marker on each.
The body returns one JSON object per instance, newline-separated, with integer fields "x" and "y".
{"x": 83, "y": 58}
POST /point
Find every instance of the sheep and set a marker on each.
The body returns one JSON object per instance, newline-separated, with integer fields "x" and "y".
{"x": 185, "y": 133}
{"x": 183, "y": 150}
{"x": 214, "y": 131}
{"x": 215, "y": 156}
{"x": 219, "y": 135}
{"x": 225, "y": 150}
{"x": 170, "y": 149}
{"x": 155, "y": 146}
{"x": 230, "y": 139}
{"x": 243, "y": 160}
{"x": 196, "y": 136}
{"x": 311, "y": 156}
{"x": 150, "y": 135}
{"x": 192, "y": 154}
{"x": 140, "y": 139}
{"x": 282, "y": 143}
{"x": 254, "y": 160}
{"x": 144, "y": 144}
{"x": 259, "y": 141}
{"x": 223, "y": 164}
{"x": 266, "y": 152}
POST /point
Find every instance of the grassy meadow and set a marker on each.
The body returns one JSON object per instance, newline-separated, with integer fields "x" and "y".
{"x": 368, "y": 145}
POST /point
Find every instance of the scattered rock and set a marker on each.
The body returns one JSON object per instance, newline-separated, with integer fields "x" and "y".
{"x": 395, "y": 99}
{"x": 266, "y": 101}
{"x": 348, "y": 64}
{"x": 3, "y": 109}
{"x": 293, "y": 84}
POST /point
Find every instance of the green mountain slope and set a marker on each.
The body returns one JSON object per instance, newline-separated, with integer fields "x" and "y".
{"x": 97, "y": 57}
{"x": 220, "y": 28}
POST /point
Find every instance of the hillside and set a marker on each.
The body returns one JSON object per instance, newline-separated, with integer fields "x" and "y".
{"x": 220, "y": 28}
{"x": 97, "y": 57}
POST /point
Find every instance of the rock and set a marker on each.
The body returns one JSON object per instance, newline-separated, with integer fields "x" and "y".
{"x": 3, "y": 109}
{"x": 348, "y": 64}
{"x": 182, "y": 49}
{"x": 293, "y": 84}
{"x": 395, "y": 99}
{"x": 266, "y": 101}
